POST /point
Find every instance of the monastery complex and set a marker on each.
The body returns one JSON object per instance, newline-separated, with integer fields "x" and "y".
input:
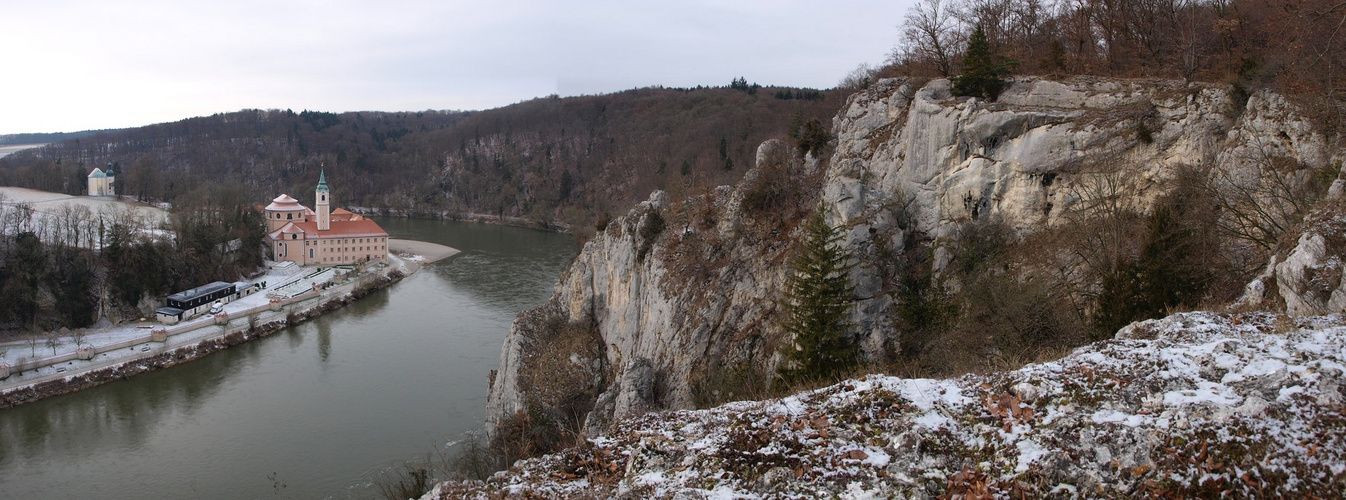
{"x": 326, "y": 237}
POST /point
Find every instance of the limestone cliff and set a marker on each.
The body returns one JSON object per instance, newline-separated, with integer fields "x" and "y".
{"x": 661, "y": 297}
{"x": 1306, "y": 279}
{"x": 676, "y": 297}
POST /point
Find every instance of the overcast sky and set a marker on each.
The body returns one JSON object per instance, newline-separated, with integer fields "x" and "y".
{"x": 77, "y": 65}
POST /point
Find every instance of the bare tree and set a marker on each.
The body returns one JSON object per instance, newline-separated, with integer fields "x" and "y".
{"x": 31, "y": 336}
{"x": 859, "y": 78}
{"x": 18, "y": 218}
{"x": 1265, "y": 192}
{"x": 52, "y": 341}
{"x": 930, "y": 35}
{"x": 70, "y": 223}
{"x": 994, "y": 16}
{"x": 1110, "y": 203}
{"x": 122, "y": 224}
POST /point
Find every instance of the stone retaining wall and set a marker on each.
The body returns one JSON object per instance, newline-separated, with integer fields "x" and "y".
{"x": 158, "y": 360}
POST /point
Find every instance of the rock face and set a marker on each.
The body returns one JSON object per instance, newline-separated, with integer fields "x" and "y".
{"x": 1307, "y": 278}
{"x": 659, "y": 317}
{"x": 655, "y": 318}
{"x": 1193, "y": 405}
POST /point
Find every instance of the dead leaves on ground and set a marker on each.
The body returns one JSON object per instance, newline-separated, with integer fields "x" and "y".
{"x": 1009, "y": 408}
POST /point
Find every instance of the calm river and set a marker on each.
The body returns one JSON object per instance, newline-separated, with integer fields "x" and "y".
{"x": 310, "y": 412}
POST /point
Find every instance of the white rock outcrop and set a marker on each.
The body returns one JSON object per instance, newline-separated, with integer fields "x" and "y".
{"x": 1193, "y": 405}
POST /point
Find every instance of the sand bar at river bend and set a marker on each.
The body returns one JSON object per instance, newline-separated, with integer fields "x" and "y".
{"x": 431, "y": 251}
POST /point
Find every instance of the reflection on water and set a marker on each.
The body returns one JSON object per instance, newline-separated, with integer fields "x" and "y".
{"x": 317, "y": 407}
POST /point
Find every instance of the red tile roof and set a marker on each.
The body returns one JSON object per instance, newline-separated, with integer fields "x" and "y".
{"x": 342, "y": 229}
{"x": 343, "y": 215}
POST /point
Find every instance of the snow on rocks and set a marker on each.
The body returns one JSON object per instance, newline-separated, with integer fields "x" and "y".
{"x": 1196, "y": 404}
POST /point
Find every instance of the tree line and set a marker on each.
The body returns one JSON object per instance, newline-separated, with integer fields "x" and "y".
{"x": 1295, "y": 45}
{"x": 71, "y": 267}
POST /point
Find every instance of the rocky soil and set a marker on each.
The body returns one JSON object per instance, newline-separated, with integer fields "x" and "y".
{"x": 1196, "y": 404}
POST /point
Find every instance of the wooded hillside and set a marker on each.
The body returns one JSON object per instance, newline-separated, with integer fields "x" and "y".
{"x": 548, "y": 160}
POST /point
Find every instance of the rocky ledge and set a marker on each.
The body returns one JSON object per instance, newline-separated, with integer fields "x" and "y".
{"x": 1196, "y": 404}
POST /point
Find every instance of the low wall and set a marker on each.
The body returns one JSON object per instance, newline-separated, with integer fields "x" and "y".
{"x": 180, "y": 328}
{"x": 165, "y": 356}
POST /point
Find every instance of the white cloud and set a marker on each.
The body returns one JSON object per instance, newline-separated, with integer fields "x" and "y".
{"x": 73, "y": 65}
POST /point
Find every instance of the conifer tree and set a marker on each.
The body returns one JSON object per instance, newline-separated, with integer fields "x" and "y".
{"x": 983, "y": 71}
{"x": 818, "y": 296}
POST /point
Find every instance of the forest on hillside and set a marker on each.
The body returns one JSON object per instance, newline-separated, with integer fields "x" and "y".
{"x": 549, "y": 161}
{"x": 1296, "y": 46}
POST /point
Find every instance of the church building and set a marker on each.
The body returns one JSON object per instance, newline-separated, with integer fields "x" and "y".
{"x": 325, "y": 237}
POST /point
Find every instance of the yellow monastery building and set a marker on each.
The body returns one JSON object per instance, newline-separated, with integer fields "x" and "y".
{"x": 325, "y": 237}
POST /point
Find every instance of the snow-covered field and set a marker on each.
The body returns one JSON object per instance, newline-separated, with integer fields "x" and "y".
{"x": 49, "y": 203}
{"x": 1193, "y": 405}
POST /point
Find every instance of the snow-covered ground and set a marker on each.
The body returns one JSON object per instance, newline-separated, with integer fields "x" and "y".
{"x": 9, "y": 149}
{"x": 1193, "y": 405}
{"x": 16, "y": 352}
{"x": 53, "y": 218}
{"x": 48, "y": 203}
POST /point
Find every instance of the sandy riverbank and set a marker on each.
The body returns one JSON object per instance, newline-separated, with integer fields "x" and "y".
{"x": 431, "y": 252}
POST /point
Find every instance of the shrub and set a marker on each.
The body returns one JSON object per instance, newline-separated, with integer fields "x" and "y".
{"x": 813, "y": 137}
{"x": 407, "y": 481}
{"x": 778, "y": 190}
{"x": 650, "y": 227}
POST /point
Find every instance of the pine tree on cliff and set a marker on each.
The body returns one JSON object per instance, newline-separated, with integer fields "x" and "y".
{"x": 983, "y": 72}
{"x": 818, "y": 296}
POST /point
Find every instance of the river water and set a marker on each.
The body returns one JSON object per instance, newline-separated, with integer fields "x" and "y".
{"x": 310, "y": 412}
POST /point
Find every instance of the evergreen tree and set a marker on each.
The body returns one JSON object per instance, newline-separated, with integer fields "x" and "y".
{"x": 818, "y": 296}
{"x": 1169, "y": 272}
{"x": 983, "y": 72}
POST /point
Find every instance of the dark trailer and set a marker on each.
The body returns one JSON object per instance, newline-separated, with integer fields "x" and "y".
{"x": 200, "y": 296}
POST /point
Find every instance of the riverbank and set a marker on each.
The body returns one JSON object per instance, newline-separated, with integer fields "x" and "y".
{"x": 423, "y": 252}
{"x": 559, "y": 227}
{"x": 120, "y": 352}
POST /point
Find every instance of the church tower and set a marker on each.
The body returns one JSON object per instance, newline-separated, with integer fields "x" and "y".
{"x": 324, "y": 210}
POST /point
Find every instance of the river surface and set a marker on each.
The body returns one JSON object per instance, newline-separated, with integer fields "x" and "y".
{"x": 313, "y": 411}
